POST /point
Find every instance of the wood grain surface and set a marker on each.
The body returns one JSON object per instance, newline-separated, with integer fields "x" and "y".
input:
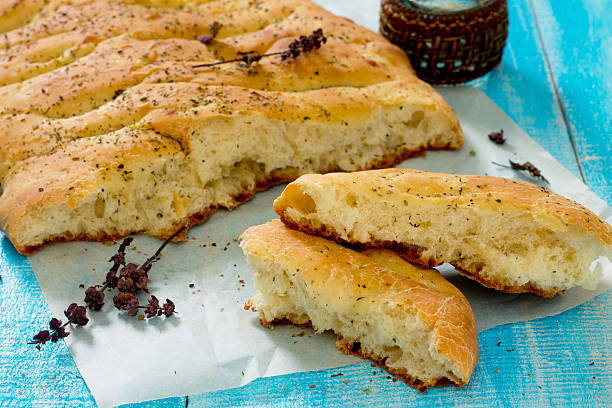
{"x": 555, "y": 82}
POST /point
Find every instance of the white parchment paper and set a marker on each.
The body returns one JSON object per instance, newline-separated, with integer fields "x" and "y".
{"x": 213, "y": 343}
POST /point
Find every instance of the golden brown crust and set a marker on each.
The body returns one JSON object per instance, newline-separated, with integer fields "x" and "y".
{"x": 481, "y": 192}
{"x": 548, "y": 212}
{"x": 388, "y": 160}
{"x": 356, "y": 350}
{"x": 68, "y": 80}
{"x": 336, "y": 276}
{"x": 413, "y": 254}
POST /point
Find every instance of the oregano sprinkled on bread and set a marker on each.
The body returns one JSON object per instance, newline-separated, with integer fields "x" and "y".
{"x": 408, "y": 320}
{"x": 507, "y": 234}
{"x": 193, "y": 141}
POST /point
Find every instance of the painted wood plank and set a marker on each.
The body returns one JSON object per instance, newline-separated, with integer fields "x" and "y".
{"x": 175, "y": 402}
{"x": 523, "y": 87}
{"x": 29, "y": 377}
{"x": 557, "y": 351}
{"x": 555, "y": 361}
{"x": 578, "y": 38}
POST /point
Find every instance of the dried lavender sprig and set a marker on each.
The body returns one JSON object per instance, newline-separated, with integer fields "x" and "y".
{"x": 301, "y": 45}
{"x": 75, "y": 314}
{"x": 153, "y": 257}
{"x": 214, "y": 30}
{"x": 527, "y": 166}
{"x": 94, "y": 298}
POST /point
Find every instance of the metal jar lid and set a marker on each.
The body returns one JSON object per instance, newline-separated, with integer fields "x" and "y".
{"x": 447, "y": 46}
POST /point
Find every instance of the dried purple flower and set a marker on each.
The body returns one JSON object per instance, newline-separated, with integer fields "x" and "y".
{"x": 527, "y": 166}
{"x": 132, "y": 306}
{"x": 121, "y": 300}
{"x": 55, "y": 324}
{"x": 303, "y": 44}
{"x": 214, "y": 30}
{"x": 60, "y": 333}
{"x": 41, "y": 337}
{"x": 497, "y": 137}
{"x": 132, "y": 279}
{"x": 153, "y": 307}
{"x": 127, "y": 270}
{"x": 142, "y": 280}
{"x": 111, "y": 280}
{"x": 119, "y": 258}
{"x": 168, "y": 308}
{"x": 76, "y": 314}
{"x": 57, "y": 332}
{"x": 94, "y": 298}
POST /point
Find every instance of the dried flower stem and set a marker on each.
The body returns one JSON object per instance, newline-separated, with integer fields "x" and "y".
{"x": 132, "y": 279}
{"x": 247, "y": 57}
{"x": 154, "y": 258}
{"x": 527, "y": 166}
{"x": 302, "y": 45}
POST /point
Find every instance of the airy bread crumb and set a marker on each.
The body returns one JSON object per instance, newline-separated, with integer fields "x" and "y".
{"x": 409, "y": 320}
{"x": 508, "y": 235}
{"x": 115, "y": 132}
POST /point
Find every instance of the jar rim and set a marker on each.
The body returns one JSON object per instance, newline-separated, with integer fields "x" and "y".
{"x": 419, "y": 6}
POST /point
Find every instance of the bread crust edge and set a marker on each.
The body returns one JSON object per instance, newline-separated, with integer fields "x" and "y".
{"x": 351, "y": 349}
{"x": 388, "y": 160}
{"x": 411, "y": 253}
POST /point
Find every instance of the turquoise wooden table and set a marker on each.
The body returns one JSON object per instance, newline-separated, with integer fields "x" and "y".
{"x": 556, "y": 83}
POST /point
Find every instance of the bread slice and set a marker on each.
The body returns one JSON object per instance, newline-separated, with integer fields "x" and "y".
{"x": 107, "y": 129}
{"x": 407, "y": 319}
{"x": 506, "y": 234}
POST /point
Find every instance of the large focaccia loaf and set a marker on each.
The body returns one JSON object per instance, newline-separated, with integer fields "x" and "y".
{"x": 410, "y": 320}
{"x": 106, "y": 128}
{"x": 507, "y": 234}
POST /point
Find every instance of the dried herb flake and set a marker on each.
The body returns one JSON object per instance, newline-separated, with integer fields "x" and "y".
{"x": 527, "y": 166}
{"x": 497, "y": 137}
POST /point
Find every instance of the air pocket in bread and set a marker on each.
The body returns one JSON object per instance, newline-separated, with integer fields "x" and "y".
{"x": 509, "y": 235}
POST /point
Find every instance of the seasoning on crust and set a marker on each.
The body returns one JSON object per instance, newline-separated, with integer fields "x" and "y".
{"x": 106, "y": 129}
{"x": 506, "y": 234}
{"x": 409, "y": 320}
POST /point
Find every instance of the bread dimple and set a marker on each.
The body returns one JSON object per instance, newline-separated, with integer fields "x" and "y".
{"x": 128, "y": 68}
{"x": 417, "y": 204}
{"x": 370, "y": 282}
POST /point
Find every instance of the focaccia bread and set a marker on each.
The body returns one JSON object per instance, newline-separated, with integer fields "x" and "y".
{"x": 107, "y": 129}
{"x": 409, "y": 320}
{"x": 508, "y": 235}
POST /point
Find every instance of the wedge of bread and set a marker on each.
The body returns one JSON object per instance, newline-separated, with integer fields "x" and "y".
{"x": 107, "y": 127}
{"x": 508, "y": 235}
{"x": 409, "y": 320}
